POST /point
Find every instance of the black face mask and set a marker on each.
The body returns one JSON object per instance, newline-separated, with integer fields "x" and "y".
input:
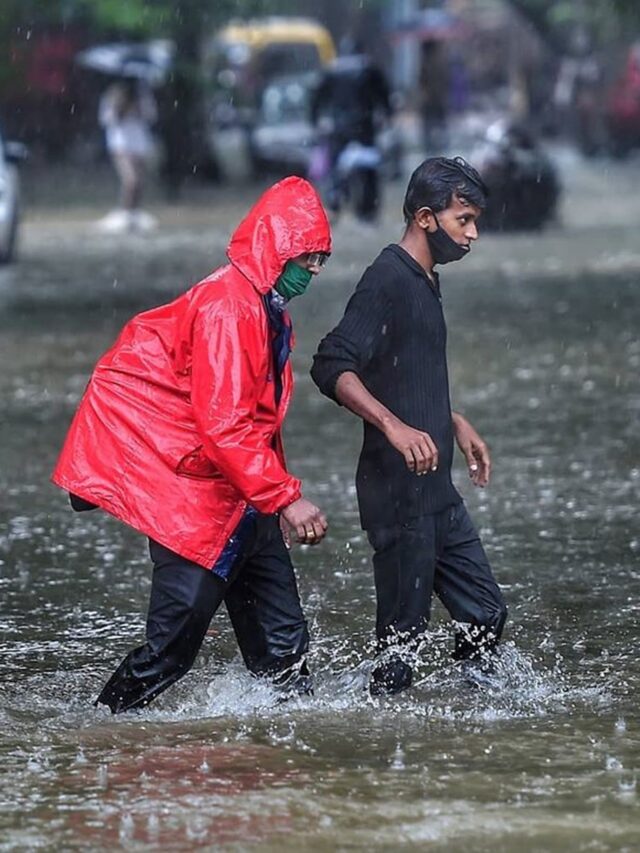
{"x": 443, "y": 248}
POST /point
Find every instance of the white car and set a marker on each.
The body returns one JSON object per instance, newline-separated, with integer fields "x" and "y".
{"x": 11, "y": 153}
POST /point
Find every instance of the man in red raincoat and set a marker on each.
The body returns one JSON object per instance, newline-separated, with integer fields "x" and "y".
{"x": 179, "y": 435}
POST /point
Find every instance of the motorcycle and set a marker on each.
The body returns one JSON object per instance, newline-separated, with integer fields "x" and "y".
{"x": 347, "y": 173}
{"x": 523, "y": 182}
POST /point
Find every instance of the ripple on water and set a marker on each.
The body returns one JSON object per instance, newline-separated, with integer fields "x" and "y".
{"x": 551, "y": 748}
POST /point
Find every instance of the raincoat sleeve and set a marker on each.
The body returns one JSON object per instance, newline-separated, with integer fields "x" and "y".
{"x": 224, "y": 395}
{"x": 361, "y": 335}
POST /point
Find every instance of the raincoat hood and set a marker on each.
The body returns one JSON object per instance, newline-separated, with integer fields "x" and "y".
{"x": 287, "y": 220}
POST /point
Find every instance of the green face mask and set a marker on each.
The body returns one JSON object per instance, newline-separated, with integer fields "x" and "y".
{"x": 293, "y": 280}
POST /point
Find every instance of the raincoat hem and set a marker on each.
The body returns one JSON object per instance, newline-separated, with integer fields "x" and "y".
{"x": 205, "y": 559}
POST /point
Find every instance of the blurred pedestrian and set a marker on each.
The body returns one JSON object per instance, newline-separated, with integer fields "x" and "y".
{"x": 127, "y": 112}
{"x": 578, "y": 94}
{"x": 386, "y": 362}
{"x": 347, "y": 105}
{"x": 434, "y": 89}
{"x": 179, "y": 436}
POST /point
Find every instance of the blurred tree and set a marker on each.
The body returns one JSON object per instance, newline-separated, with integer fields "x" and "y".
{"x": 588, "y": 39}
{"x": 605, "y": 18}
{"x": 185, "y": 22}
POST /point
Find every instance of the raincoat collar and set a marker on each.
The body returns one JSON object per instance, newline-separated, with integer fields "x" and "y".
{"x": 287, "y": 220}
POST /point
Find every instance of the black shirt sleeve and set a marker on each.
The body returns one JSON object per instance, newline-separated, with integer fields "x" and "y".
{"x": 359, "y": 337}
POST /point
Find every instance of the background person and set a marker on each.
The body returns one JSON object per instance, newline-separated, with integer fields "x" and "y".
{"x": 179, "y": 436}
{"x": 434, "y": 92}
{"x": 386, "y": 362}
{"x": 350, "y": 98}
{"x": 127, "y": 111}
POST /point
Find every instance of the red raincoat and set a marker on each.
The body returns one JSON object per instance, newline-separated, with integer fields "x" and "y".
{"x": 178, "y": 429}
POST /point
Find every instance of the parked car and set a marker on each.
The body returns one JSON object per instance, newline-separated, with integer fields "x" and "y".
{"x": 11, "y": 153}
{"x": 238, "y": 62}
{"x": 243, "y": 57}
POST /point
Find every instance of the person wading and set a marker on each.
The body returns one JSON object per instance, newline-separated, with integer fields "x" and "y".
{"x": 386, "y": 362}
{"x": 179, "y": 435}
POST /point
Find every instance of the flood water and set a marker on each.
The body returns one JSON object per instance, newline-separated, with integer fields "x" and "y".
{"x": 545, "y": 358}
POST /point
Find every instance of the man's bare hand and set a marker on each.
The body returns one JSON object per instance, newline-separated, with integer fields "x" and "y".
{"x": 474, "y": 450}
{"x": 306, "y": 520}
{"x": 418, "y": 448}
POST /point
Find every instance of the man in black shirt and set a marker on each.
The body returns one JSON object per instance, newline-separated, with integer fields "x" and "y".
{"x": 386, "y": 362}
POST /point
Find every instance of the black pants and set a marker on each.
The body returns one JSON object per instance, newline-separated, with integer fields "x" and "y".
{"x": 262, "y": 599}
{"x": 439, "y": 553}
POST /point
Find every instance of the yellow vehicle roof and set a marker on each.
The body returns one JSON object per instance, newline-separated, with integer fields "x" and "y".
{"x": 259, "y": 33}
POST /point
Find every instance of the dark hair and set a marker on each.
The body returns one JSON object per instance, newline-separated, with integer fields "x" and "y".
{"x": 437, "y": 180}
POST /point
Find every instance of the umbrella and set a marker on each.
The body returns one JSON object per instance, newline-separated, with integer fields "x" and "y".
{"x": 148, "y": 61}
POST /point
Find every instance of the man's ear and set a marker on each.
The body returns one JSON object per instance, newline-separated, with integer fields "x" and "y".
{"x": 425, "y": 218}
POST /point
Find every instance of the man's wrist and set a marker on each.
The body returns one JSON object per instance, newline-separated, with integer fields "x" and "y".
{"x": 297, "y": 495}
{"x": 386, "y": 421}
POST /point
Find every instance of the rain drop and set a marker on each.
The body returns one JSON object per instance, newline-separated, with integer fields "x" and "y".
{"x": 397, "y": 762}
{"x": 126, "y": 828}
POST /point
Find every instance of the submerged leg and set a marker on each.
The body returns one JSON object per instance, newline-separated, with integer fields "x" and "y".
{"x": 465, "y": 584}
{"x": 266, "y": 614}
{"x": 184, "y": 597}
{"x": 404, "y": 567}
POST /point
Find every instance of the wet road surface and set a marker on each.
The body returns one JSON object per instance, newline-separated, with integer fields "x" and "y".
{"x": 545, "y": 357}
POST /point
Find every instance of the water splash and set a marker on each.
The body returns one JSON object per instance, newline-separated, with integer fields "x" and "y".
{"x": 521, "y": 685}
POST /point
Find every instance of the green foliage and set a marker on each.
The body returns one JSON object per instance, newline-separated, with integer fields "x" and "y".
{"x": 605, "y": 19}
{"x": 134, "y": 16}
{"x": 182, "y": 20}
{"x": 628, "y": 9}
{"x": 139, "y": 17}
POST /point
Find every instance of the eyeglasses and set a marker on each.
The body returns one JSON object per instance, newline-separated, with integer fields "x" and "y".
{"x": 317, "y": 259}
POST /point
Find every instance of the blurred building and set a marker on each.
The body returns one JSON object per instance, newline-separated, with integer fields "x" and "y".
{"x": 472, "y": 53}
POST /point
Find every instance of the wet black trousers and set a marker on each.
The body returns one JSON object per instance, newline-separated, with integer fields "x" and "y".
{"x": 439, "y": 553}
{"x": 261, "y": 597}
